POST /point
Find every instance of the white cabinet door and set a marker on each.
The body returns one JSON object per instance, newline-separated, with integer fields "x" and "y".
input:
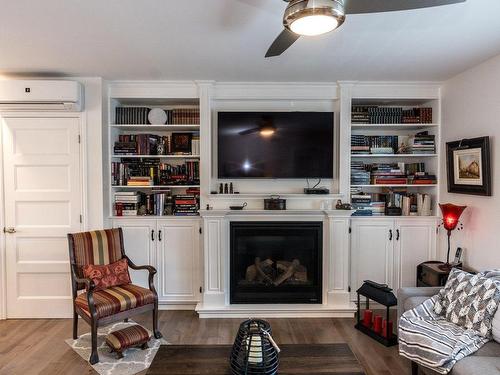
{"x": 178, "y": 255}
{"x": 43, "y": 203}
{"x": 415, "y": 242}
{"x": 139, "y": 238}
{"x": 371, "y": 251}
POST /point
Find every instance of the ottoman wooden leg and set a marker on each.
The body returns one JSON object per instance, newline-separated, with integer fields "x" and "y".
{"x": 145, "y": 346}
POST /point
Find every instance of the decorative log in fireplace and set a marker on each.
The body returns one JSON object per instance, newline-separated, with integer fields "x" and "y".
{"x": 276, "y": 273}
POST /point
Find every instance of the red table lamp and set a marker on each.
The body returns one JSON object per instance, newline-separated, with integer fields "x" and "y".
{"x": 451, "y": 216}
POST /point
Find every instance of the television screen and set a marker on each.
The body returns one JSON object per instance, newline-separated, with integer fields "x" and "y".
{"x": 275, "y": 144}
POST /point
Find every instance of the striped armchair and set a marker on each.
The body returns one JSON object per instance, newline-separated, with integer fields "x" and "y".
{"x": 102, "y": 307}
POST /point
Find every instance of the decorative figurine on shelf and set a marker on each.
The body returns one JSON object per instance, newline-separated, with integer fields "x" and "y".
{"x": 451, "y": 216}
{"x": 343, "y": 206}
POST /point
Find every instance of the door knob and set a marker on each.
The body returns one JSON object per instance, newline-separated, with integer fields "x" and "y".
{"x": 9, "y": 230}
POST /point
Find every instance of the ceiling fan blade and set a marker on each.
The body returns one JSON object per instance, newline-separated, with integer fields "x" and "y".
{"x": 376, "y": 6}
{"x": 249, "y": 131}
{"x": 282, "y": 43}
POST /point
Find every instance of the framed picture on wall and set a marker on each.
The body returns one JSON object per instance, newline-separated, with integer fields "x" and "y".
{"x": 469, "y": 166}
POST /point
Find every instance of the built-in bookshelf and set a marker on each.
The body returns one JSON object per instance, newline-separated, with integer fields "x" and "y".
{"x": 394, "y": 161}
{"x": 154, "y": 155}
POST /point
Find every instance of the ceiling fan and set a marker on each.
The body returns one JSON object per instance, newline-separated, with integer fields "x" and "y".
{"x": 316, "y": 17}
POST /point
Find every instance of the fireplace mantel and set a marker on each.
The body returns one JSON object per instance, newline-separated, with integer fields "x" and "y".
{"x": 216, "y": 301}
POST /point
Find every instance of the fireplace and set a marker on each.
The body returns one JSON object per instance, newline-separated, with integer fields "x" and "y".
{"x": 276, "y": 262}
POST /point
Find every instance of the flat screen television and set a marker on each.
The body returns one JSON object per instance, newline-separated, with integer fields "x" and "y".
{"x": 275, "y": 145}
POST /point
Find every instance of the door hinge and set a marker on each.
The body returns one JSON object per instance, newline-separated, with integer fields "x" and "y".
{"x": 79, "y": 138}
{"x": 200, "y": 230}
{"x": 81, "y": 218}
{"x": 201, "y": 289}
{"x": 349, "y": 289}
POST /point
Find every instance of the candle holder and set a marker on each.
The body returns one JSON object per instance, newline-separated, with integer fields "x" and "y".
{"x": 254, "y": 350}
{"x": 381, "y": 330}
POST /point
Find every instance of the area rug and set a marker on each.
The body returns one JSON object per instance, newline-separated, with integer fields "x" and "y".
{"x": 310, "y": 359}
{"x": 135, "y": 360}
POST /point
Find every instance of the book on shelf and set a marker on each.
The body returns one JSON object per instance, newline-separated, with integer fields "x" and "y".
{"x": 390, "y": 174}
{"x": 375, "y": 204}
{"x": 363, "y": 114}
{"x": 152, "y": 172}
{"x": 139, "y": 116}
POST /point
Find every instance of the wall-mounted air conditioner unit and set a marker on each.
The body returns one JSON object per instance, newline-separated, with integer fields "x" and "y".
{"x": 41, "y": 95}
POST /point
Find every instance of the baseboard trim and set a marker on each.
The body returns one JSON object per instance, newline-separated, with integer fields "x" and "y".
{"x": 177, "y": 306}
{"x": 275, "y": 311}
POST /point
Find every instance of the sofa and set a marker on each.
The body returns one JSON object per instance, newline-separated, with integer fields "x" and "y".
{"x": 486, "y": 361}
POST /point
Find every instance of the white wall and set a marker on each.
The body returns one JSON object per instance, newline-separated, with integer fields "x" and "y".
{"x": 471, "y": 108}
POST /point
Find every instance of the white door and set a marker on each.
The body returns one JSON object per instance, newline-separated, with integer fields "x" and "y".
{"x": 139, "y": 238}
{"x": 371, "y": 251}
{"x": 43, "y": 203}
{"x": 415, "y": 244}
{"x": 178, "y": 261}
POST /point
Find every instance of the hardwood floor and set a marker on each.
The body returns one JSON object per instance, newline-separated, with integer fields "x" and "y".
{"x": 38, "y": 347}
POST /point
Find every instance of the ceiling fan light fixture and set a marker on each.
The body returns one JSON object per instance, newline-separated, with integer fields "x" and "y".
{"x": 267, "y": 131}
{"x": 314, "y": 17}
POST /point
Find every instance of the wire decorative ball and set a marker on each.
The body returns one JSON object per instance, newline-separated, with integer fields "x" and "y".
{"x": 254, "y": 351}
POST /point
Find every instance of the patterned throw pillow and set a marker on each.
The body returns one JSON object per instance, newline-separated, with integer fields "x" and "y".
{"x": 469, "y": 301}
{"x": 107, "y": 276}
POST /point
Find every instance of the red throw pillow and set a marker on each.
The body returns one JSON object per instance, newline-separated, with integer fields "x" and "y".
{"x": 104, "y": 277}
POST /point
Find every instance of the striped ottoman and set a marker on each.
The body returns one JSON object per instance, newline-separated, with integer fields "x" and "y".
{"x": 129, "y": 337}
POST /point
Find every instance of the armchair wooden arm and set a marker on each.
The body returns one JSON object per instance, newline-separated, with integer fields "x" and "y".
{"x": 89, "y": 286}
{"x": 152, "y": 272}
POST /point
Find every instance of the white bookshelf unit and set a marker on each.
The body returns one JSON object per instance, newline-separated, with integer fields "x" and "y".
{"x": 169, "y": 97}
{"x": 386, "y": 135}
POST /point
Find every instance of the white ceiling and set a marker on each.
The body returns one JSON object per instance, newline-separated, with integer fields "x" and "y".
{"x": 226, "y": 40}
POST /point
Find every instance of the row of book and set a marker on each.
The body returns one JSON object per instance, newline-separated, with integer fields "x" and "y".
{"x": 377, "y": 144}
{"x": 421, "y": 143}
{"x": 139, "y": 116}
{"x": 376, "y": 204}
{"x": 390, "y": 174}
{"x": 152, "y": 172}
{"x": 362, "y": 114}
{"x": 152, "y": 144}
{"x": 157, "y": 203}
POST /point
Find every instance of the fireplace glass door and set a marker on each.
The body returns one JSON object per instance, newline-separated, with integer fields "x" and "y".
{"x": 276, "y": 262}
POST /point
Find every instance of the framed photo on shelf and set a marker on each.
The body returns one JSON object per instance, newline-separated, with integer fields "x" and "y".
{"x": 469, "y": 166}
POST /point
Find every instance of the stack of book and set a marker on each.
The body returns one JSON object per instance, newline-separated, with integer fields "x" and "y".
{"x": 423, "y": 143}
{"x": 185, "y": 116}
{"x": 362, "y": 204}
{"x": 388, "y": 174}
{"x": 126, "y": 203}
{"x": 125, "y": 148}
{"x": 359, "y": 174}
{"x": 131, "y": 115}
{"x": 186, "y": 205}
{"x": 139, "y": 181}
{"x": 360, "y": 145}
{"x": 360, "y": 115}
{"x": 422, "y": 178}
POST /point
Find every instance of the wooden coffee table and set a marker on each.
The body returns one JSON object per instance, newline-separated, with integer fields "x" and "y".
{"x": 311, "y": 359}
